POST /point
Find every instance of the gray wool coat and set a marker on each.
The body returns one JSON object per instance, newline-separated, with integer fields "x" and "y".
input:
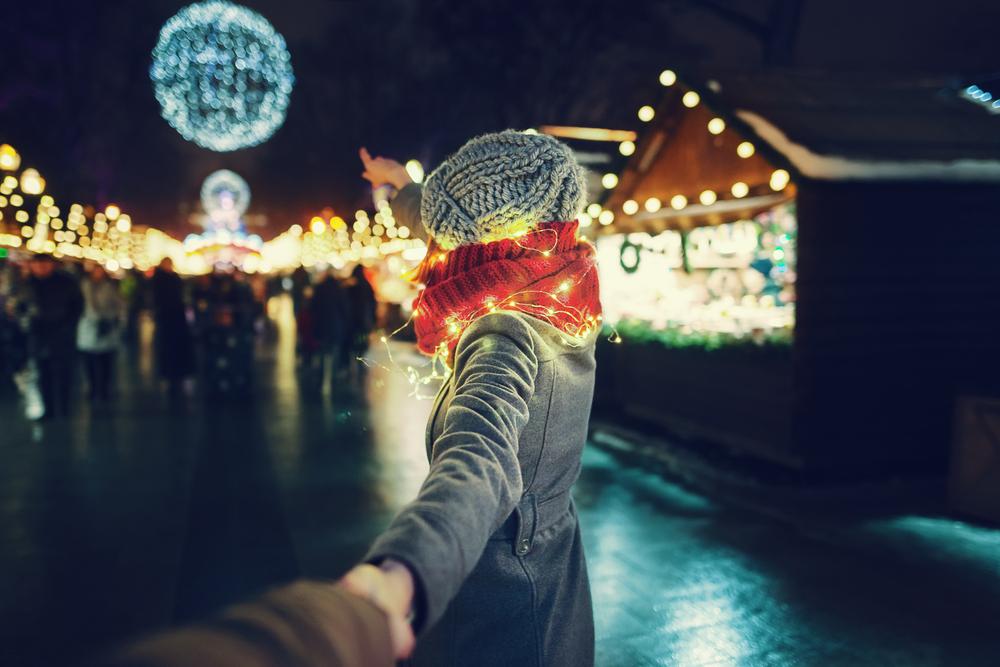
{"x": 493, "y": 537}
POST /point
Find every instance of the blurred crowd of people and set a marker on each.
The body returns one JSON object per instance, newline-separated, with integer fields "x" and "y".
{"x": 59, "y": 317}
{"x": 334, "y": 319}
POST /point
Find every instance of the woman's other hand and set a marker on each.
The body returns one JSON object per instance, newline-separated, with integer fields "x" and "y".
{"x": 390, "y": 588}
{"x": 381, "y": 170}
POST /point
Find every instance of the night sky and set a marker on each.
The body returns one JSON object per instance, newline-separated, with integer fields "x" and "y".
{"x": 409, "y": 79}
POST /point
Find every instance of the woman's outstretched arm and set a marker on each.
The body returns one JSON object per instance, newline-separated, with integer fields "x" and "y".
{"x": 475, "y": 479}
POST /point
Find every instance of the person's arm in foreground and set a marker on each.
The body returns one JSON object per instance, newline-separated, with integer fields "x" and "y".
{"x": 475, "y": 480}
{"x": 306, "y": 623}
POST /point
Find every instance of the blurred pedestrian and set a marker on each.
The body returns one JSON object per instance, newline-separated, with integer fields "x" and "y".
{"x": 361, "y": 322}
{"x": 174, "y": 346}
{"x": 330, "y": 324}
{"x": 99, "y": 334}
{"x": 54, "y": 312}
{"x": 489, "y": 555}
{"x": 300, "y": 281}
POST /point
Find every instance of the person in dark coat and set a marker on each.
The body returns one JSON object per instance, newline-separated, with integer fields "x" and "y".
{"x": 55, "y": 309}
{"x": 173, "y": 343}
{"x": 330, "y": 312}
{"x": 490, "y": 553}
{"x": 361, "y": 301}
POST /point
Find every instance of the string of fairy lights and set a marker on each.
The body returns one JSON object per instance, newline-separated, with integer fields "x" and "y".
{"x": 595, "y": 212}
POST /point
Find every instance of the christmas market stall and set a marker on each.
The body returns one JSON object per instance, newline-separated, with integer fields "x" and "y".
{"x": 696, "y": 240}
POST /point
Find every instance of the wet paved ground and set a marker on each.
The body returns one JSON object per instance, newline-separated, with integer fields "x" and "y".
{"x": 127, "y": 519}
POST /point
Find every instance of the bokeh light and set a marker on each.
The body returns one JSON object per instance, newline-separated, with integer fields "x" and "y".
{"x": 222, "y": 75}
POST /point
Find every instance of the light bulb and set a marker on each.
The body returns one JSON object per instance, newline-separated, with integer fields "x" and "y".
{"x": 691, "y": 99}
{"x": 626, "y": 148}
{"x": 646, "y": 113}
{"x": 708, "y": 197}
{"x": 716, "y": 126}
{"x": 779, "y": 179}
{"x": 630, "y": 207}
{"x": 609, "y": 180}
{"x": 668, "y": 77}
{"x": 652, "y": 205}
{"x": 745, "y": 149}
{"x": 677, "y": 202}
{"x": 740, "y": 189}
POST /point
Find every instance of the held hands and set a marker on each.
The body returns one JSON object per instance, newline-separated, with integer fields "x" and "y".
{"x": 390, "y": 588}
{"x": 381, "y": 170}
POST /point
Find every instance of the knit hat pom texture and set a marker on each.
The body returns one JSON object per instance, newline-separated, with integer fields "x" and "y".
{"x": 501, "y": 184}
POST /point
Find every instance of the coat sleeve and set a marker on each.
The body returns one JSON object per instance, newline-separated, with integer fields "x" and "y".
{"x": 406, "y": 206}
{"x": 475, "y": 478}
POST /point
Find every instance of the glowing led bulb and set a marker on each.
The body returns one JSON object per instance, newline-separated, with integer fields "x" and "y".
{"x": 626, "y": 148}
{"x": 594, "y": 210}
{"x": 646, "y": 113}
{"x": 779, "y": 179}
{"x": 677, "y": 202}
{"x": 668, "y": 77}
{"x": 652, "y": 205}
{"x": 32, "y": 182}
{"x": 707, "y": 198}
{"x": 415, "y": 170}
{"x": 691, "y": 99}
{"x": 745, "y": 149}
{"x": 606, "y": 217}
{"x": 740, "y": 189}
{"x": 716, "y": 126}
{"x": 630, "y": 207}
{"x": 609, "y": 180}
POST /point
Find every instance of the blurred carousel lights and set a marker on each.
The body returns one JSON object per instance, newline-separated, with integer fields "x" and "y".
{"x": 32, "y": 182}
{"x": 222, "y": 75}
{"x": 9, "y": 159}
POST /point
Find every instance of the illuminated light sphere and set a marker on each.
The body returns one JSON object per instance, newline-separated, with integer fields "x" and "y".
{"x": 691, "y": 99}
{"x": 47, "y": 200}
{"x": 124, "y": 223}
{"x": 630, "y": 207}
{"x": 21, "y": 216}
{"x": 626, "y": 148}
{"x": 707, "y": 197}
{"x": 295, "y": 230}
{"x": 222, "y": 75}
{"x": 716, "y": 126}
{"x": 32, "y": 182}
{"x": 415, "y": 170}
{"x": 646, "y": 113}
{"x": 677, "y": 202}
{"x": 9, "y": 159}
{"x": 112, "y": 211}
{"x": 594, "y": 210}
{"x": 745, "y": 149}
{"x": 606, "y": 217}
{"x": 740, "y": 189}
{"x": 585, "y": 220}
{"x": 225, "y": 196}
{"x": 779, "y": 179}
{"x": 668, "y": 77}
{"x": 609, "y": 180}
{"x": 652, "y": 205}
{"x": 317, "y": 225}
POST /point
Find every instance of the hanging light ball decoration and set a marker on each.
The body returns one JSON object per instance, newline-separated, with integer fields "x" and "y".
{"x": 225, "y": 196}
{"x": 222, "y": 75}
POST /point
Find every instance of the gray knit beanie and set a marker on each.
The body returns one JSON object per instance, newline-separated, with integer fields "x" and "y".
{"x": 499, "y": 184}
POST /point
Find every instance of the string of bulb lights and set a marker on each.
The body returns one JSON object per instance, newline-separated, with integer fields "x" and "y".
{"x": 596, "y": 213}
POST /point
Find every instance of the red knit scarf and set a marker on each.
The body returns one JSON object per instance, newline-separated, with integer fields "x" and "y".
{"x": 547, "y": 273}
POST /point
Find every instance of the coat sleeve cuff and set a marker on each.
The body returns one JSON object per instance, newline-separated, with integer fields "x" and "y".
{"x": 424, "y": 543}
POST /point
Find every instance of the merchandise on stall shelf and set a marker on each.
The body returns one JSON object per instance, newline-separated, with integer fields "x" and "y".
{"x": 735, "y": 280}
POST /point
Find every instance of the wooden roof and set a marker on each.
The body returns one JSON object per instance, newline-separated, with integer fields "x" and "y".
{"x": 678, "y": 155}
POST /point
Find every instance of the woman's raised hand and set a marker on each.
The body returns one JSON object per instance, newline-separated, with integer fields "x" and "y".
{"x": 381, "y": 170}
